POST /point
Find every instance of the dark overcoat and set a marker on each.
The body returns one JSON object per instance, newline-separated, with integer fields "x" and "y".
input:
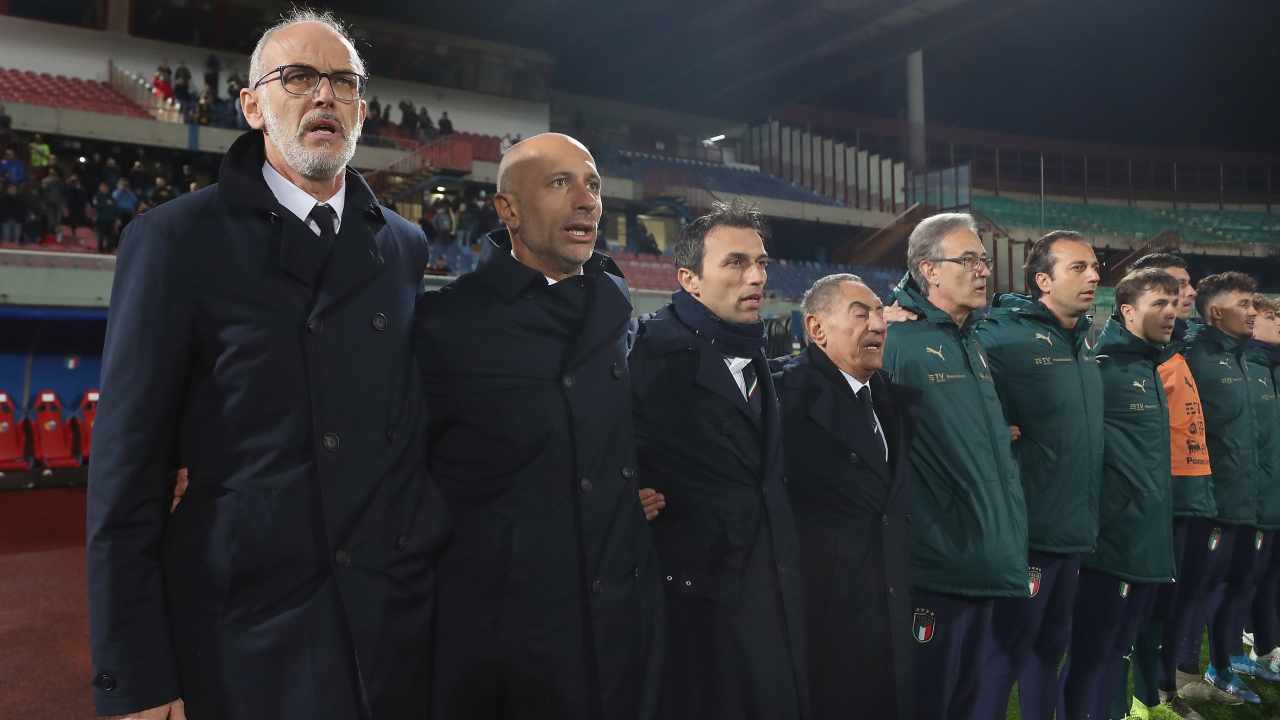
{"x": 852, "y": 515}
{"x": 727, "y": 539}
{"x": 550, "y": 605}
{"x": 296, "y": 578}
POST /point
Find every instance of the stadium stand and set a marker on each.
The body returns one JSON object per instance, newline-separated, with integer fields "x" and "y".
{"x": 662, "y": 172}
{"x": 1204, "y": 227}
{"x": 60, "y": 91}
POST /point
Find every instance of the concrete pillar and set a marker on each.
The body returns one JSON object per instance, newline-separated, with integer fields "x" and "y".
{"x": 119, "y": 13}
{"x": 915, "y": 112}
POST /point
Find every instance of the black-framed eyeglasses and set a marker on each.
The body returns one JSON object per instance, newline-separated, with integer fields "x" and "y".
{"x": 970, "y": 263}
{"x": 305, "y": 80}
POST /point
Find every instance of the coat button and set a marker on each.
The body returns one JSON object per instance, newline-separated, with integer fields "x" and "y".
{"x": 380, "y": 322}
{"x": 391, "y": 436}
{"x": 315, "y": 325}
{"x": 596, "y": 586}
{"x": 616, "y": 371}
{"x": 884, "y": 520}
{"x": 669, "y": 578}
{"x": 402, "y": 542}
{"x": 688, "y": 583}
{"x": 892, "y": 592}
{"x": 331, "y": 441}
{"x": 628, "y": 472}
{"x": 343, "y": 558}
{"x": 585, "y": 485}
{"x": 635, "y": 571}
{"x": 853, "y": 457}
{"x": 105, "y": 681}
{"x": 567, "y": 381}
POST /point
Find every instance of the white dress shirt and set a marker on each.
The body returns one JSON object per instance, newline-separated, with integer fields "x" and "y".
{"x": 299, "y": 201}
{"x": 857, "y": 385}
{"x": 736, "y": 365}
{"x": 550, "y": 281}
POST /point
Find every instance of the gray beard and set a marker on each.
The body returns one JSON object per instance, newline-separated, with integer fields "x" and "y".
{"x": 319, "y": 164}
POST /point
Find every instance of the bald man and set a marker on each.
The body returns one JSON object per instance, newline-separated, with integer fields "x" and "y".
{"x": 260, "y": 334}
{"x": 549, "y": 599}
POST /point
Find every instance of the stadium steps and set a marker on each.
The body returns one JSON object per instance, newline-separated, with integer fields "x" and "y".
{"x": 25, "y": 86}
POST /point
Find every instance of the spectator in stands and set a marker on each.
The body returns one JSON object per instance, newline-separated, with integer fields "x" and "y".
{"x": 138, "y": 176}
{"x": 204, "y": 108}
{"x": 386, "y": 114}
{"x": 162, "y": 81}
{"x": 105, "y": 217}
{"x": 110, "y": 172}
{"x": 11, "y": 168}
{"x": 188, "y": 176}
{"x": 408, "y": 118}
{"x": 375, "y": 108}
{"x": 330, "y": 635}
{"x": 182, "y": 83}
{"x": 13, "y": 213}
{"x": 77, "y": 202}
{"x": 53, "y": 196}
{"x": 446, "y": 125}
{"x": 444, "y": 222}
{"x": 6, "y": 126}
{"x": 161, "y": 192}
{"x": 506, "y": 144}
{"x": 212, "y": 68}
{"x": 126, "y": 201}
{"x": 426, "y": 130}
{"x": 40, "y": 156}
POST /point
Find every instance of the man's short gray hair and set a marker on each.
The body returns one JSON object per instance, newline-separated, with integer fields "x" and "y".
{"x": 925, "y": 239}
{"x": 295, "y": 16}
{"x": 818, "y": 298}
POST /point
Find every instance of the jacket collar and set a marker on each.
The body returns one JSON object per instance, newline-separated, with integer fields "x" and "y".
{"x": 911, "y": 298}
{"x": 1117, "y": 340}
{"x": 509, "y": 277}
{"x": 1033, "y": 309}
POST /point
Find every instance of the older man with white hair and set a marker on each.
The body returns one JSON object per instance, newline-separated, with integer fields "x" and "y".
{"x": 260, "y": 335}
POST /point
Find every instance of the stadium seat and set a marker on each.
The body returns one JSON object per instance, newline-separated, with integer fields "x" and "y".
{"x": 83, "y": 422}
{"x": 52, "y": 440}
{"x": 13, "y": 437}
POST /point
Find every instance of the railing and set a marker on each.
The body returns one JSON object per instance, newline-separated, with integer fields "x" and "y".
{"x": 137, "y": 90}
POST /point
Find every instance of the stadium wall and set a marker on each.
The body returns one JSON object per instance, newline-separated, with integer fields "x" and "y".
{"x": 83, "y": 53}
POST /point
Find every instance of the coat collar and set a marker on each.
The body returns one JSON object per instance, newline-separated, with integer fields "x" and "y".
{"x": 356, "y": 257}
{"x": 509, "y": 277}
{"x": 833, "y": 410}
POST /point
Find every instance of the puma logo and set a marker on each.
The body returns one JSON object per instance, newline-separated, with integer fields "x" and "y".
{"x": 1224, "y": 363}
{"x": 1141, "y": 385}
{"x": 937, "y": 352}
{"x": 1046, "y": 338}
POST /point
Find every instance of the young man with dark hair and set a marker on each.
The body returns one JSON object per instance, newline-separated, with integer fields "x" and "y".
{"x": 1156, "y": 680}
{"x": 709, "y": 439}
{"x": 1263, "y": 356}
{"x": 1215, "y": 354}
{"x": 1134, "y": 551}
{"x": 969, "y": 522}
{"x": 1051, "y": 391}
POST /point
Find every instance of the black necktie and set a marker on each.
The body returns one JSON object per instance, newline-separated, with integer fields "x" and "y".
{"x": 753, "y": 389}
{"x": 869, "y": 417}
{"x": 323, "y": 215}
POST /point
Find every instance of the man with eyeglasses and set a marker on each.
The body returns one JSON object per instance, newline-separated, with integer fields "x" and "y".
{"x": 969, "y": 522}
{"x": 1052, "y": 393}
{"x": 260, "y": 334}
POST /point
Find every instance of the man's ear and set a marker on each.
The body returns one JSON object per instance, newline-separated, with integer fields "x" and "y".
{"x": 691, "y": 283}
{"x": 813, "y": 328}
{"x": 252, "y": 109}
{"x": 507, "y": 207}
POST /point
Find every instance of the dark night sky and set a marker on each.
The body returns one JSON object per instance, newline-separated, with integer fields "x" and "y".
{"x": 1182, "y": 73}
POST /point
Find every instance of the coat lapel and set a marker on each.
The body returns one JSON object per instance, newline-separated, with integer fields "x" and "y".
{"x": 300, "y": 254}
{"x": 714, "y": 375}
{"x": 608, "y": 311}
{"x": 893, "y": 406}
{"x": 835, "y": 411}
{"x": 356, "y": 258}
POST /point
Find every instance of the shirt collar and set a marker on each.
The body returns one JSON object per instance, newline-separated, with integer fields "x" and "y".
{"x": 549, "y": 280}
{"x": 855, "y": 383}
{"x": 297, "y": 201}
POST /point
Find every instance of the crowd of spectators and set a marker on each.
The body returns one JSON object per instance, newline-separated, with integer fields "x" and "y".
{"x": 454, "y": 228}
{"x": 47, "y": 192}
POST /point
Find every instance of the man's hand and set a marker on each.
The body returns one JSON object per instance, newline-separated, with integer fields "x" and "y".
{"x": 1015, "y": 431}
{"x": 652, "y": 501}
{"x": 179, "y": 489}
{"x": 171, "y": 711}
{"x": 894, "y": 313}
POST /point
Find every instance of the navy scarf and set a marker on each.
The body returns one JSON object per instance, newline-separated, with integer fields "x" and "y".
{"x": 745, "y": 340}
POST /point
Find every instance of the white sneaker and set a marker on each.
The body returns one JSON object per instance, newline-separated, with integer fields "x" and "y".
{"x": 1271, "y": 660}
{"x": 1247, "y": 638}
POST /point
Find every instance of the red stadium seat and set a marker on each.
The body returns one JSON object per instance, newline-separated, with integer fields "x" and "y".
{"x": 13, "y": 437}
{"x": 84, "y": 423}
{"x": 51, "y": 434}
